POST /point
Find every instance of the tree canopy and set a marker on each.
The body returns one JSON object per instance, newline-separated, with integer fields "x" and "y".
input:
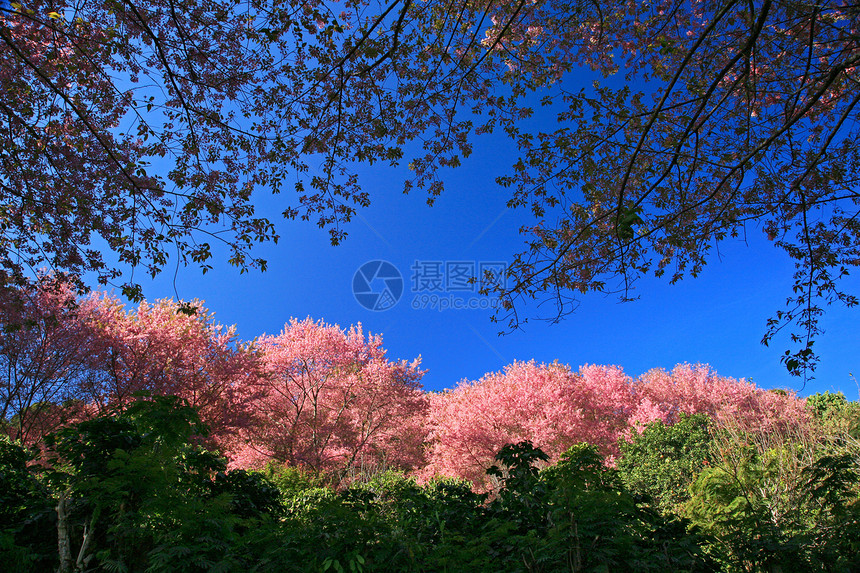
{"x": 134, "y": 130}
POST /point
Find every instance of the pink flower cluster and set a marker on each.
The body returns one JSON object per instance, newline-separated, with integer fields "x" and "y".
{"x": 329, "y": 399}
{"x": 555, "y": 408}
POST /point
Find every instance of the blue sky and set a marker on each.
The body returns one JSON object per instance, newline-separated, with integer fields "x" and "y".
{"x": 717, "y": 319}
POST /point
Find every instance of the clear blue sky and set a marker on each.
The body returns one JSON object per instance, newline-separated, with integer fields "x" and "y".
{"x": 718, "y": 318}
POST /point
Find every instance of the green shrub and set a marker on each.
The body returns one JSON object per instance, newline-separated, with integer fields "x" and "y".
{"x": 661, "y": 462}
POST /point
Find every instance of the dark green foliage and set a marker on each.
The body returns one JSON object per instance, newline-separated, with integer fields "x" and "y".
{"x": 519, "y": 461}
{"x": 784, "y": 507}
{"x": 389, "y": 523}
{"x": 135, "y": 494}
{"x": 131, "y": 492}
{"x": 251, "y": 494}
{"x": 18, "y": 489}
{"x": 827, "y": 404}
{"x": 522, "y": 500}
{"x": 27, "y": 540}
{"x": 835, "y": 411}
{"x": 577, "y": 516}
{"x": 662, "y": 461}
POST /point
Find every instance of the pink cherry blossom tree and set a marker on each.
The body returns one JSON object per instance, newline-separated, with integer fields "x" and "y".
{"x": 47, "y": 357}
{"x": 332, "y": 401}
{"x": 172, "y": 348}
{"x": 547, "y": 404}
{"x": 150, "y": 125}
{"x": 554, "y": 408}
{"x": 692, "y": 389}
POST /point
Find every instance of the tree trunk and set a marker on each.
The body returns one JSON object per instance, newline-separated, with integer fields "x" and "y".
{"x": 83, "y": 557}
{"x": 63, "y": 541}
